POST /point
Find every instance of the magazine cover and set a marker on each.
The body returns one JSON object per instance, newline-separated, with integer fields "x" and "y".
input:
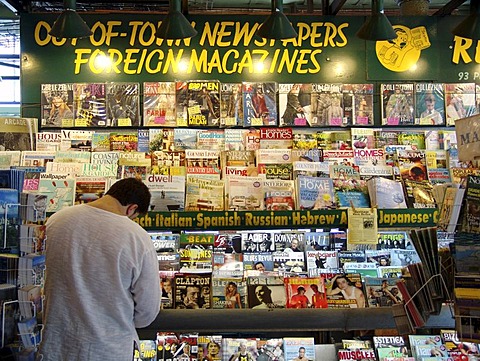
{"x": 225, "y": 264}
{"x": 429, "y": 104}
{"x": 317, "y": 241}
{"x": 126, "y": 141}
{"x": 362, "y": 103}
{"x": 88, "y": 189}
{"x": 365, "y": 269}
{"x": 364, "y": 354}
{"x": 254, "y": 263}
{"x": 209, "y": 347}
{"x": 19, "y": 134}
{"x": 203, "y": 163}
{"x": 168, "y": 163}
{"x": 321, "y": 260}
{"x": 382, "y": 292}
{"x": 75, "y": 139}
{"x": 196, "y": 252}
{"x": 236, "y": 139}
{"x": 459, "y": 101}
{"x": 299, "y": 348}
{"x": 270, "y": 349}
{"x": 294, "y": 104}
{"x": 279, "y": 194}
{"x": 161, "y": 139}
{"x": 257, "y": 241}
{"x": 265, "y": 292}
{"x": 397, "y": 104}
{"x": 239, "y": 163}
{"x": 469, "y": 218}
{"x": 229, "y": 293}
{"x": 305, "y": 138}
{"x": 386, "y": 193}
{"x": 89, "y": 105}
{"x": 305, "y": 292}
{"x": 288, "y": 241}
{"x": 276, "y": 138}
{"x": 315, "y": 193}
{"x": 231, "y": 105}
{"x": 351, "y": 191}
{"x": 159, "y": 104}
{"x": 213, "y": 139}
{"x": 327, "y": 105}
{"x": 239, "y": 349}
{"x": 392, "y": 239}
{"x": 57, "y": 105}
{"x": 412, "y": 164}
{"x": 147, "y": 351}
{"x": 244, "y": 193}
{"x": 123, "y": 104}
{"x": 192, "y": 290}
{"x": 204, "y": 194}
{"x": 345, "y": 290}
{"x": 289, "y": 263}
{"x": 203, "y": 108}
{"x": 168, "y": 192}
{"x": 259, "y": 104}
{"x": 60, "y": 190}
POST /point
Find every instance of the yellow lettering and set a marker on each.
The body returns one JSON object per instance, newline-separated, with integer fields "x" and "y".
{"x": 150, "y": 57}
{"x": 79, "y": 59}
{"x": 224, "y": 33}
{"x": 461, "y": 45}
{"x": 128, "y": 60}
{"x": 110, "y": 33}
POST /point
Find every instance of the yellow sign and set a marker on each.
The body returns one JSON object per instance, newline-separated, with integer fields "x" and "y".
{"x": 403, "y": 52}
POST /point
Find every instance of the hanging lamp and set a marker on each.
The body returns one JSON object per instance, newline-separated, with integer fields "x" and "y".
{"x": 175, "y": 25}
{"x": 277, "y": 25}
{"x": 377, "y": 26}
{"x": 69, "y": 24}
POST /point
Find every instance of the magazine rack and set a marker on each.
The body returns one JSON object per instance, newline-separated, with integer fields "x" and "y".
{"x": 18, "y": 317}
{"x": 410, "y": 326}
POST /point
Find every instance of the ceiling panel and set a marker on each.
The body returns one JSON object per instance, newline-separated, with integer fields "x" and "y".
{"x": 350, "y": 7}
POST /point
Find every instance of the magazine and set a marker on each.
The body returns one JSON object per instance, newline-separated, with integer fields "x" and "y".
{"x": 168, "y": 192}
{"x": 429, "y": 104}
{"x": 56, "y": 105}
{"x": 123, "y": 104}
{"x": 315, "y": 193}
{"x": 327, "y": 105}
{"x": 295, "y": 104}
{"x": 159, "y": 104}
{"x": 231, "y": 104}
{"x": 203, "y": 108}
{"x": 260, "y": 104}
{"x": 397, "y": 104}
{"x": 89, "y": 105}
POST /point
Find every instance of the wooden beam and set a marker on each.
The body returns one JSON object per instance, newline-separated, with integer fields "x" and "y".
{"x": 448, "y": 8}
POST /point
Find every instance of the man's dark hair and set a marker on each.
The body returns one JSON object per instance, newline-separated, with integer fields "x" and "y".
{"x": 131, "y": 191}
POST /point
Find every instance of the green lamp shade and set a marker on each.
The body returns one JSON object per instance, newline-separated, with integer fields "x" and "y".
{"x": 377, "y": 27}
{"x": 277, "y": 26}
{"x": 175, "y": 26}
{"x": 70, "y": 25}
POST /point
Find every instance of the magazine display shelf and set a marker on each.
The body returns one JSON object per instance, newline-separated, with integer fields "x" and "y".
{"x": 283, "y": 320}
{"x": 280, "y": 320}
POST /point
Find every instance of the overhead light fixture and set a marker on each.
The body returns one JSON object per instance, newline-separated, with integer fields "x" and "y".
{"x": 69, "y": 24}
{"x": 277, "y": 26}
{"x": 175, "y": 25}
{"x": 470, "y": 27}
{"x": 377, "y": 26}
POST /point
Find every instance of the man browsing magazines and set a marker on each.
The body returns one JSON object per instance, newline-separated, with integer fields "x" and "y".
{"x": 102, "y": 277}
